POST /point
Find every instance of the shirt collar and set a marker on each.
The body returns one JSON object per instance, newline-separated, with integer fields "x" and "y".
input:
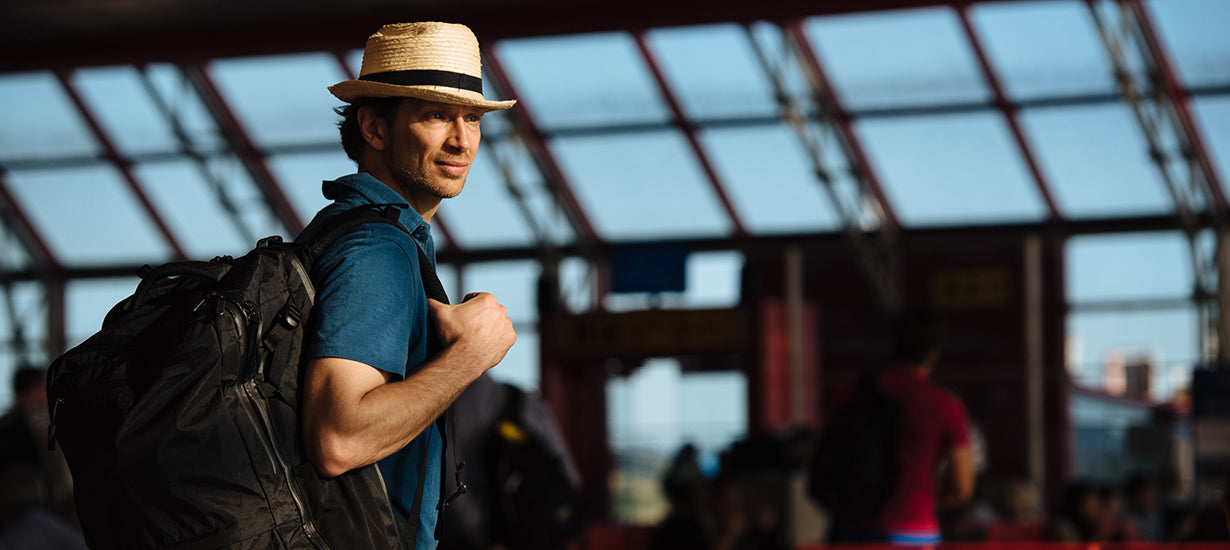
{"x": 361, "y": 188}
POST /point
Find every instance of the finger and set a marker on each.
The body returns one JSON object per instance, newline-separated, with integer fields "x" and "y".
{"x": 470, "y": 296}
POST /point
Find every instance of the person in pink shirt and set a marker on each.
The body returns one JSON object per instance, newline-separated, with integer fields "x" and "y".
{"x": 933, "y": 447}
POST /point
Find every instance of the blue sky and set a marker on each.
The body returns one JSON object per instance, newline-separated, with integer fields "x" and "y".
{"x": 646, "y": 183}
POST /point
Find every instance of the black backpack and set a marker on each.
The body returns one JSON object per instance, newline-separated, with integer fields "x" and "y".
{"x": 180, "y": 417}
{"x": 534, "y": 505}
{"x": 856, "y": 468}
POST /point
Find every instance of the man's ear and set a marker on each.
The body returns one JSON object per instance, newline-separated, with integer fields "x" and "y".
{"x": 373, "y": 128}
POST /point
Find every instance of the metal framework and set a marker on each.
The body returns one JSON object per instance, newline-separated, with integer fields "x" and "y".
{"x": 871, "y": 228}
{"x": 1150, "y": 85}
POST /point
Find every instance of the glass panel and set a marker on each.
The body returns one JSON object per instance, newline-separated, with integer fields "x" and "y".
{"x": 88, "y": 301}
{"x": 1044, "y": 49}
{"x": 13, "y": 255}
{"x": 485, "y": 214}
{"x": 88, "y": 216}
{"x": 39, "y": 120}
{"x": 583, "y": 80}
{"x": 1194, "y": 35}
{"x": 646, "y": 186}
{"x": 652, "y": 413}
{"x": 193, "y": 210}
{"x": 180, "y": 103}
{"x": 303, "y": 174}
{"x": 1166, "y": 340}
{"x": 514, "y": 284}
{"x": 282, "y": 99}
{"x": 713, "y": 71}
{"x": 1213, "y": 119}
{"x": 901, "y": 57}
{"x": 715, "y": 279}
{"x": 29, "y": 307}
{"x": 770, "y": 180}
{"x": 950, "y": 170}
{"x": 125, "y": 110}
{"x": 1094, "y": 159}
{"x": 1135, "y": 265}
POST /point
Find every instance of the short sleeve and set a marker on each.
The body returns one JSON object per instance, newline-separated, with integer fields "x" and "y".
{"x": 370, "y": 306}
{"x": 958, "y": 423}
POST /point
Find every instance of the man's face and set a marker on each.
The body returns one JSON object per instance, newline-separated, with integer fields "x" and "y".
{"x": 431, "y": 146}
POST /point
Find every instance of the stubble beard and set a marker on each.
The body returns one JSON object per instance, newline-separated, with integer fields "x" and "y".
{"x": 415, "y": 181}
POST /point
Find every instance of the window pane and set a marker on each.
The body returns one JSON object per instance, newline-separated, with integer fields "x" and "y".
{"x": 1044, "y": 49}
{"x": 193, "y": 210}
{"x": 1164, "y": 339}
{"x": 485, "y": 215}
{"x": 303, "y": 174}
{"x": 1213, "y": 114}
{"x": 124, "y": 108}
{"x": 900, "y": 57}
{"x": 770, "y": 180}
{"x": 282, "y": 99}
{"x": 582, "y": 80}
{"x": 952, "y": 170}
{"x": 713, "y": 71}
{"x": 642, "y": 187}
{"x": 88, "y": 301}
{"x": 1094, "y": 160}
{"x": 1136, "y": 265}
{"x": 1194, "y": 35}
{"x": 88, "y": 216}
{"x": 39, "y": 119}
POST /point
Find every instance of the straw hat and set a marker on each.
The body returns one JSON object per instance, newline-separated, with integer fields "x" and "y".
{"x": 433, "y": 61}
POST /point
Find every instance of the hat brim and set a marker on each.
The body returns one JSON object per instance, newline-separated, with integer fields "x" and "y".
{"x": 350, "y": 90}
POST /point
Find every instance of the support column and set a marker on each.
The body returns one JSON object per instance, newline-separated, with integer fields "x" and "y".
{"x": 1035, "y": 370}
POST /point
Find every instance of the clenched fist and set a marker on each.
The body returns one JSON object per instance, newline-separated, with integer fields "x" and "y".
{"x": 478, "y": 327}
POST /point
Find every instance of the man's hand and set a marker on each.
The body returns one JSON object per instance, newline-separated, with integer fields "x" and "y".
{"x": 478, "y": 327}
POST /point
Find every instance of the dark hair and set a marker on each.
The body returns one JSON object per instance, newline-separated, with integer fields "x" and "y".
{"x": 352, "y": 137}
{"x": 917, "y": 334}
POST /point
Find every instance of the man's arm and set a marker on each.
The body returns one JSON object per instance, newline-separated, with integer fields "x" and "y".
{"x": 353, "y": 416}
{"x": 958, "y": 483}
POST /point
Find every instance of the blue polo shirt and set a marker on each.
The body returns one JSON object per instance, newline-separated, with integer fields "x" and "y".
{"x": 371, "y": 308}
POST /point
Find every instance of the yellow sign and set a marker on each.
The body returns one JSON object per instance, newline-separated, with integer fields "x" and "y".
{"x": 972, "y": 288}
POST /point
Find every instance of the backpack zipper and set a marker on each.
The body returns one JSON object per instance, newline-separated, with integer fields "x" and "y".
{"x": 249, "y": 393}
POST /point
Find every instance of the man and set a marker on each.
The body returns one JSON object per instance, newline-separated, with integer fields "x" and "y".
{"x": 932, "y": 439}
{"x": 376, "y": 379}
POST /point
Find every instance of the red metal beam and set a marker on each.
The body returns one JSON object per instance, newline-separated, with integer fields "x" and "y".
{"x": 1170, "y": 79}
{"x": 844, "y": 125}
{"x": 438, "y": 220}
{"x": 1009, "y": 110}
{"x": 522, "y": 119}
{"x": 29, "y": 236}
{"x": 43, "y": 35}
{"x": 684, "y": 123}
{"x": 112, "y": 154}
{"x": 252, "y": 158}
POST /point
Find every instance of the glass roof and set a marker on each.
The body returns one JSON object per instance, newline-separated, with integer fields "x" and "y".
{"x": 921, "y": 111}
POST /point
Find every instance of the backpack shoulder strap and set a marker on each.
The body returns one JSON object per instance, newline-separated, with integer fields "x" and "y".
{"x": 319, "y": 235}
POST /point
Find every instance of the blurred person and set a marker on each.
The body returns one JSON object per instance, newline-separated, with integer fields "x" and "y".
{"x": 1142, "y": 508}
{"x": 1080, "y": 514}
{"x": 933, "y": 449}
{"x": 1019, "y": 517}
{"x": 485, "y": 402}
{"x": 23, "y": 441}
{"x": 384, "y": 361}
{"x": 25, "y": 521}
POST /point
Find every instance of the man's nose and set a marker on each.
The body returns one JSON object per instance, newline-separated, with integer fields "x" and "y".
{"x": 461, "y": 136}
